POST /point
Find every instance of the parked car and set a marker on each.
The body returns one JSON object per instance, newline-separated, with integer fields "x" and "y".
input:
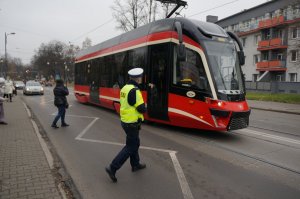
{"x": 48, "y": 83}
{"x": 33, "y": 87}
{"x": 19, "y": 85}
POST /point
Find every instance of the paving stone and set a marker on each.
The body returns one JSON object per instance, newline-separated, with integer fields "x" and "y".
{"x": 24, "y": 170}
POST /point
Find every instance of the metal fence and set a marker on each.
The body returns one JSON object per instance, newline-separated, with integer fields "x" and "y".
{"x": 274, "y": 87}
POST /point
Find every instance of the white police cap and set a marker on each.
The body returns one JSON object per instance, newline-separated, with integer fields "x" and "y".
{"x": 2, "y": 80}
{"x": 135, "y": 72}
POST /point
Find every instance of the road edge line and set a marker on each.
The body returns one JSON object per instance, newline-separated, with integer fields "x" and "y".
{"x": 43, "y": 144}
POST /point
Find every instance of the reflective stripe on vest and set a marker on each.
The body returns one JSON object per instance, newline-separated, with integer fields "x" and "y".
{"x": 128, "y": 113}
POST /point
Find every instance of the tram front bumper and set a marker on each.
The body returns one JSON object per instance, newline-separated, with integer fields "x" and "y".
{"x": 229, "y": 119}
{"x": 238, "y": 120}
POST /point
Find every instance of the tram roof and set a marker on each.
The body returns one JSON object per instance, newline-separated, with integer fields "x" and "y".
{"x": 192, "y": 26}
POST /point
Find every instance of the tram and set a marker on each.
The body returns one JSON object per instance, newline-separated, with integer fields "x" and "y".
{"x": 195, "y": 68}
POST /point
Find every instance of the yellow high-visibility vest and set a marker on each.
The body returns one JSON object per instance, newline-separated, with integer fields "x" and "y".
{"x": 128, "y": 113}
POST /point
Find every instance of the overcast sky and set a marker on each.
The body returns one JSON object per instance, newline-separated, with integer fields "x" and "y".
{"x": 40, "y": 21}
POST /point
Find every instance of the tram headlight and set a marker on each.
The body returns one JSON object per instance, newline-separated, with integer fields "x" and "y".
{"x": 214, "y": 102}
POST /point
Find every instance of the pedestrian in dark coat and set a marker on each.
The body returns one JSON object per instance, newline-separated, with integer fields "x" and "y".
{"x": 60, "y": 101}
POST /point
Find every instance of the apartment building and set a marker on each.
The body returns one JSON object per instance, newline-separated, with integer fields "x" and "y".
{"x": 270, "y": 34}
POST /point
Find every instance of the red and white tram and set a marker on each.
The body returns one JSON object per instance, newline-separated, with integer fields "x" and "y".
{"x": 195, "y": 68}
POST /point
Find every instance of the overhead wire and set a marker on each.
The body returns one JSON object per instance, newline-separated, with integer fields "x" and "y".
{"x": 222, "y": 5}
{"x": 92, "y": 30}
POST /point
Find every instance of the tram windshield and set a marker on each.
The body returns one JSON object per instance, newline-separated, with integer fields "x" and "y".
{"x": 225, "y": 66}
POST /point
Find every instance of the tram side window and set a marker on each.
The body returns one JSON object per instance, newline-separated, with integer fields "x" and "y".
{"x": 106, "y": 64}
{"x": 81, "y": 73}
{"x": 77, "y": 74}
{"x": 137, "y": 58}
{"x": 190, "y": 73}
{"x": 119, "y": 70}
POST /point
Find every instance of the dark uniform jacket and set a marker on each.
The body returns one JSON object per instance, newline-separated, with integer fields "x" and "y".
{"x": 132, "y": 98}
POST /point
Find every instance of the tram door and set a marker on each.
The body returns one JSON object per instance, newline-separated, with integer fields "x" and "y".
{"x": 157, "y": 102}
{"x": 94, "y": 73}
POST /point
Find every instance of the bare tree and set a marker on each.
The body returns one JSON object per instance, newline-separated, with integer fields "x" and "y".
{"x": 130, "y": 14}
{"x": 152, "y": 7}
{"x": 86, "y": 43}
{"x": 167, "y": 7}
{"x": 52, "y": 58}
{"x": 15, "y": 68}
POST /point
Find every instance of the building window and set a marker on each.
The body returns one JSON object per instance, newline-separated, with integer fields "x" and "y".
{"x": 255, "y": 77}
{"x": 293, "y": 77}
{"x": 278, "y": 33}
{"x": 235, "y": 27}
{"x": 256, "y": 58}
{"x": 265, "y": 56}
{"x": 294, "y": 56}
{"x": 244, "y": 41}
{"x": 295, "y": 32}
{"x": 257, "y": 39}
{"x": 278, "y": 78}
{"x": 279, "y": 56}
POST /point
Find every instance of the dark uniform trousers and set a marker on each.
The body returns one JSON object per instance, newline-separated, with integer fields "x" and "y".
{"x": 130, "y": 149}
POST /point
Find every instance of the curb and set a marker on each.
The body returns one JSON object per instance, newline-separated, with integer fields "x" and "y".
{"x": 65, "y": 184}
{"x": 274, "y": 110}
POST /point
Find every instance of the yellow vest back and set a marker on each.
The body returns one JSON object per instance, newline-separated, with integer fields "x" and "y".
{"x": 128, "y": 113}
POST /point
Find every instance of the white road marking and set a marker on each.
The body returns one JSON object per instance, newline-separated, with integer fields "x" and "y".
{"x": 46, "y": 102}
{"x": 249, "y": 131}
{"x": 79, "y": 116}
{"x": 87, "y": 128}
{"x": 27, "y": 109}
{"x": 186, "y": 191}
{"x": 187, "y": 194}
{"x": 121, "y": 144}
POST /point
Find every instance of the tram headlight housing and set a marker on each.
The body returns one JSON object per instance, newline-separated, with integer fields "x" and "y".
{"x": 214, "y": 102}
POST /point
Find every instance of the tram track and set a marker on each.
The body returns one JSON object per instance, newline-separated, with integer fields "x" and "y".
{"x": 266, "y": 137}
{"x": 206, "y": 140}
{"x": 273, "y": 130}
{"x": 257, "y": 158}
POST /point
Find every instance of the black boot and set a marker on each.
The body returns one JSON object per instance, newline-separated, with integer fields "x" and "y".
{"x": 138, "y": 167}
{"x": 54, "y": 126}
{"x": 65, "y": 125}
{"x": 111, "y": 173}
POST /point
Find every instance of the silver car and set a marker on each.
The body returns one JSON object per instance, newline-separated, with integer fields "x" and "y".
{"x": 19, "y": 85}
{"x": 33, "y": 87}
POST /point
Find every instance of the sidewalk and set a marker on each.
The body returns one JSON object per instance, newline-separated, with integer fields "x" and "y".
{"x": 275, "y": 106}
{"x": 24, "y": 170}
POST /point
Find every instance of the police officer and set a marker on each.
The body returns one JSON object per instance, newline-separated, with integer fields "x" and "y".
{"x": 131, "y": 113}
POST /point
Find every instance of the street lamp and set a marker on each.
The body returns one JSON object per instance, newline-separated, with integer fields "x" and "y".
{"x": 65, "y": 74}
{"x": 5, "y": 66}
{"x": 1, "y": 66}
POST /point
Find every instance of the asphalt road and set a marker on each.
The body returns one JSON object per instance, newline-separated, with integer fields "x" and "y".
{"x": 262, "y": 161}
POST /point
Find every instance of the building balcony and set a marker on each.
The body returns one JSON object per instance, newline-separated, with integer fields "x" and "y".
{"x": 274, "y": 65}
{"x": 271, "y": 22}
{"x": 275, "y": 43}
